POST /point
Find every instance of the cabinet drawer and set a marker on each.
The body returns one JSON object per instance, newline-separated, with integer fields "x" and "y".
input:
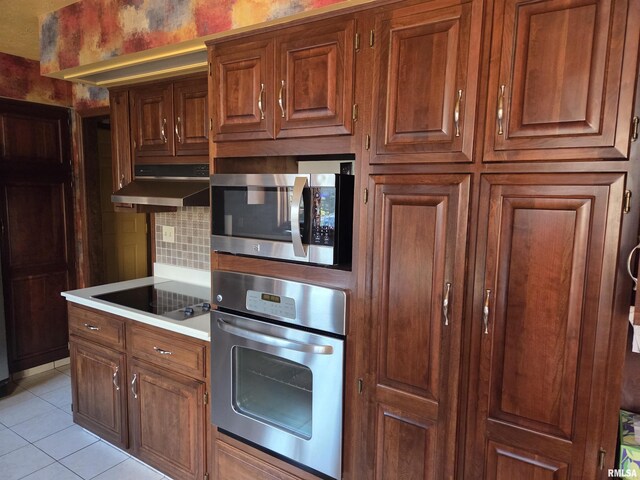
{"x": 100, "y": 328}
{"x": 168, "y": 350}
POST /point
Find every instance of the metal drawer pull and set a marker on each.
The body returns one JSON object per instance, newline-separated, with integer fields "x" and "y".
{"x": 162, "y": 352}
{"x": 93, "y": 328}
{"x": 116, "y": 383}
{"x": 280, "y": 98}
{"x": 456, "y": 113}
{"x": 629, "y": 258}
{"x": 260, "y": 101}
{"x": 485, "y": 311}
{"x": 178, "y": 130}
{"x": 501, "y": 109}
{"x": 133, "y": 385}
{"x": 162, "y": 130}
{"x": 445, "y": 303}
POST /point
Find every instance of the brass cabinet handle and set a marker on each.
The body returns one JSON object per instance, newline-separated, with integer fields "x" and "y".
{"x": 162, "y": 352}
{"x": 122, "y": 181}
{"x": 177, "y": 129}
{"x": 485, "y": 311}
{"x": 501, "y": 109}
{"x": 162, "y": 130}
{"x": 280, "y": 98}
{"x": 445, "y": 303}
{"x": 133, "y": 385}
{"x": 93, "y": 328}
{"x": 260, "y": 101}
{"x": 634, "y": 128}
{"x": 456, "y": 113}
{"x": 116, "y": 383}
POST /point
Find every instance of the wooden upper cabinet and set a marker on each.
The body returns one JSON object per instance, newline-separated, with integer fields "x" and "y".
{"x": 314, "y": 79}
{"x": 542, "y": 318}
{"x": 297, "y": 82}
{"x": 152, "y": 120}
{"x": 561, "y": 83}
{"x": 120, "y": 138}
{"x": 170, "y": 119}
{"x": 242, "y": 99}
{"x": 419, "y": 240}
{"x": 191, "y": 117}
{"x": 424, "y": 85}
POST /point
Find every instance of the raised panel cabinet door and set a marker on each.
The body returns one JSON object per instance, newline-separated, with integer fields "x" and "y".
{"x": 167, "y": 420}
{"x": 419, "y": 241}
{"x": 122, "y": 162}
{"x": 98, "y": 388}
{"x": 152, "y": 120}
{"x": 242, "y": 95}
{"x": 314, "y": 79}
{"x": 32, "y": 139}
{"x": 191, "y": 117}
{"x": 561, "y": 80}
{"x": 546, "y": 264}
{"x": 424, "y": 85}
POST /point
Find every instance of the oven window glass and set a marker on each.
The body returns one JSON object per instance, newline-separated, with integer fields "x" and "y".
{"x": 262, "y": 213}
{"x": 273, "y": 390}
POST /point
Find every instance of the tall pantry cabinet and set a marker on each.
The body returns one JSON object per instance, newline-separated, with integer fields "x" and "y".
{"x": 497, "y": 217}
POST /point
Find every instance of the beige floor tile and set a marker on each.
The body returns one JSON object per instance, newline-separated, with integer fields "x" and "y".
{"x": 55, "y": 471}
{"x": 22, "y": 462}
{"x": 130, "y": 470}
{"x": 66, "y": 442}
{"x": 93, "y": 460}
{"x": 61, "y": 397}
{"x": 10, "y": 441}
{"x": 30, "y": 407}
{"x": 46, "y": 382}
{"x": 43, "y": 425}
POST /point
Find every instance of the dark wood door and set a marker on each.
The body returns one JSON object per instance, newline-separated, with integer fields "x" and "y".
{"x": 541, "y": 323}
{"x": 314, "y": 79}
{"x": 561, "y": 80}
{"x": 152, "y": 120}
{"x": 417, "y": 278}
{"x": 98, "y": 387}
{"x": 167, "y": 415}
{"x": 243, "y": 89}
{"x": 33, "y": 138}
{"x": 122, "y": 162}
{"x": 191, "y": 117}
{"x": 424, "y": 85}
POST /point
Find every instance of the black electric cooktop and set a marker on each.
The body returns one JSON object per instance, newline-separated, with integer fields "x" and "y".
{"x": 169, "y": 299}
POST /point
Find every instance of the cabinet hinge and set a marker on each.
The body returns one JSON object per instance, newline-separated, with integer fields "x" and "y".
{"x": 360, "y": 380}
{"x": 356, "y": 42}
{"x": 601, "y": 454}
{"x": 365, "y": 196}
{"x": 206, "y": 398}
{"x": 634, "y": 128}
{"x": 372, "y": 38}
{"x": 626, "y": 208}
{"x": 354, "y": 112}
{"x": 367, "y": 142}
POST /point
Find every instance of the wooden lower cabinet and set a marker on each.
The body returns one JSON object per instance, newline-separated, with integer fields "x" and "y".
{"x": 233, "y": 463}
{"x": 419, "y": 237}
{"x": 167, "y": 420}
{"x": 98, "y": 386}
{"x": 148, "y": 405}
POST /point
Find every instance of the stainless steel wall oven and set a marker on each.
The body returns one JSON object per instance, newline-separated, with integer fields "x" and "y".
{"x": 277, "y": 365}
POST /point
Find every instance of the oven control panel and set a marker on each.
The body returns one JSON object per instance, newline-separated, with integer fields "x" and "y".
{"x": 270, "y": 304}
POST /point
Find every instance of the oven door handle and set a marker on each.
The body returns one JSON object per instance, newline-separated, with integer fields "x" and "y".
{"x": 273, "y": 340}
{"x": 299, "y": 185}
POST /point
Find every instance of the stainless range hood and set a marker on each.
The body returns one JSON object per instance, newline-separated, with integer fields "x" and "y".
{"x": 167, "y": 186}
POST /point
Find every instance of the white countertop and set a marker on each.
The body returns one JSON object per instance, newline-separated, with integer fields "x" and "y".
{"x": 197, "y": 327}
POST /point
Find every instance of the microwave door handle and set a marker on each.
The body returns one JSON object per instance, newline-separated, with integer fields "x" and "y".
{"x": 273, "y": 340}
{"x": 298, "y": 187}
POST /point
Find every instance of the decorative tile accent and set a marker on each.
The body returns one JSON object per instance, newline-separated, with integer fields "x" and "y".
{"x": 191, "y": 248}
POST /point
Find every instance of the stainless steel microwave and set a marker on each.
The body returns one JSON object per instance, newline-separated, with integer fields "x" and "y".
{"x": 294, "y": 217}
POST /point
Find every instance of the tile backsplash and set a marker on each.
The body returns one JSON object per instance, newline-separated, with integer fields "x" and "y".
{"x": 192, "y": 238}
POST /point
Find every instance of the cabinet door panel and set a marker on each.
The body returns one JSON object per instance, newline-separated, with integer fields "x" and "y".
{"x": 27, "y": 138}
{"x": 173, "y": 442}
{"x": 152, "y": 118}
{"x": 122, "y": 162}
{"x": 419, "y": 235}
{"x": 242, "y": 85}
{"x": 191, "y": 116}
{"x": 507, "y": 463}
{"x": 98, "y": 385}
{"x": 421, "y": 93}
{"x": 543, "y": 255}
{"x": 314, "y": 80}
{"x": 559, "y": 80}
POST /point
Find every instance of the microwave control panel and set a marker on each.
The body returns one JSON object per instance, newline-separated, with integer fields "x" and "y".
{"x": 270, "y": 304}
{"x": 323, "y": 216}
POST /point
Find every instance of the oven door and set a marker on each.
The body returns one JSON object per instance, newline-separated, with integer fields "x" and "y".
{"x": 280, "y": 388}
